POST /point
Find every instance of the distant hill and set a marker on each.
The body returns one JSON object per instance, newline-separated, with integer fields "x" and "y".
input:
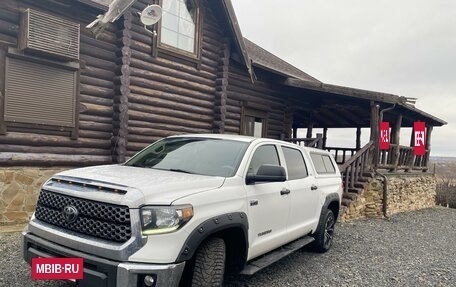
{"x": 445, "y": 167}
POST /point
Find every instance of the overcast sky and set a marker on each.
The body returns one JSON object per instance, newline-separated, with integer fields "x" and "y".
{"x": 403, "y": 47}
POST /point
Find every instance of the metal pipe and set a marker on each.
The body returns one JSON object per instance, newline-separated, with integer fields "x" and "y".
{"x": 385, "y": 179}
{"x": 385, "y": 194}
{"x": 385, "y": 110}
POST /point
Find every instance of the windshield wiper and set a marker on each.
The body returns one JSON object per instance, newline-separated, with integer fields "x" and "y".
{"x": 136, "y": 165}
{"x": 181, "y": 170}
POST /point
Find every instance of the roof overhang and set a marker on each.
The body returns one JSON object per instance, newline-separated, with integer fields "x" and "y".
{"x": 365, "y": 97}
{"x": 237, "y": 35}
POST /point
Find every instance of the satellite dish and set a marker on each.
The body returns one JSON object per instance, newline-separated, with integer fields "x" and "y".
{"x": 151, "y": 15}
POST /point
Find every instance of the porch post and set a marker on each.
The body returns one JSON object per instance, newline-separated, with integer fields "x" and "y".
{"x": 295, "y": 133}
{"x": 358, "y": 138}
{"x": 374, "y": 122}
{"x": 412, "y": 138}
{"x": 396, "y": 140}
{"x": 428, "y": 145}
{"x": 325, "y": 137}
{"x": 309, "y": 131}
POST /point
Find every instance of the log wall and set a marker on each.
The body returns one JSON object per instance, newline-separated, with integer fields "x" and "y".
{"x": 170, "y": 95}
{"x": 132, "y": 93}
{"x": 259, "y": 95}
{"x": 41, "y": 147}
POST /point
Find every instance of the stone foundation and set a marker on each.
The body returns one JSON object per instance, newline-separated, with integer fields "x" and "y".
{"x": 19, "y": 189}
{"x": 406, "y": 192}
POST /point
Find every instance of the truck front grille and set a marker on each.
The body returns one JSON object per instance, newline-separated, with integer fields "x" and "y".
{"x": 98, "y": 219}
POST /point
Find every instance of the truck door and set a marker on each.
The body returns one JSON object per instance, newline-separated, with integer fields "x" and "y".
{"x": 268, "y": 205}
{"x": 304, "y": 193}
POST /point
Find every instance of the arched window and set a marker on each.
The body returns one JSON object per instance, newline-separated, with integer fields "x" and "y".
{"x": 179, "y": 26}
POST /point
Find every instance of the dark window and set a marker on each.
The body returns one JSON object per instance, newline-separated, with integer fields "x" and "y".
{"x": 266, "y": 154}
{"x": 253, "y": 126}
{"x": 322, "y": 163}
{"x": 179, "y": 26}
{"x": 253, "y": 123}
{"x": 295, "y": 163}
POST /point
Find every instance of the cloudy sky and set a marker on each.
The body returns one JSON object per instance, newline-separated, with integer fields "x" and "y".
{"x": 403, "y": 47}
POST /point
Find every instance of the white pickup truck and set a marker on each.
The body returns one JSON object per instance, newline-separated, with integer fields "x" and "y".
{"x": 187, "y": 209}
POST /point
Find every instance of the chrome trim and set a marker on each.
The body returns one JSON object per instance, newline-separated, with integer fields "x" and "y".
{"x": 91, "y": 245}
{"x": 167, "y": 275}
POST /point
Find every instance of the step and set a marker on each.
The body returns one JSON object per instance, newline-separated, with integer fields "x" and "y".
{"x": 350, "y": 195}
{"x": 346, "y": 202}
{"x": 257, "y": 264}
{"x": 365, "y": 179}
{"x": 360, "y": 184}
{"x": 368, "y": 174}
{"x": 356, "y": 190}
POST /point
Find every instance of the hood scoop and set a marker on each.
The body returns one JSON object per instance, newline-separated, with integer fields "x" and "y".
{"x": 81, "y": 184}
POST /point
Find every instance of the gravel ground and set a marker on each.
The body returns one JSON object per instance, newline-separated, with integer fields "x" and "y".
{"x": 410, "y": 249}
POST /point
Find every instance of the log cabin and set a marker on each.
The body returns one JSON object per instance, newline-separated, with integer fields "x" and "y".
{"x": 69, "y": 98}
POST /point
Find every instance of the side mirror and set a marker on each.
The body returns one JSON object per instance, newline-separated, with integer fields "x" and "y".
{"x": 267, "y": 173}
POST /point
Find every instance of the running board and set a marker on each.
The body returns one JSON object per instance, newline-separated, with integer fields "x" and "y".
{"x": 257, "y": 264}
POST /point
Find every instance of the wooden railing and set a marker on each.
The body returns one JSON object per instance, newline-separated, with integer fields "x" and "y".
{"x": 402, "y": 158}
{"x": 310, "y": 142}
{"x": 341, "y": 154}
{"x": 356, "y": 166}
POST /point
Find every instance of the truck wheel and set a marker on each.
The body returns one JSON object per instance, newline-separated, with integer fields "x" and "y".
{"x": 209, "y": 263}
{"x": 325, "y": 232}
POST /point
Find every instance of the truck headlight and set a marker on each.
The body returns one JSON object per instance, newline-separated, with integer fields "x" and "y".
{"x": 164, "y": 219}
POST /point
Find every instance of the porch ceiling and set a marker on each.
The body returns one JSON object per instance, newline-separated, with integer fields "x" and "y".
{"x": 330, "y": 106}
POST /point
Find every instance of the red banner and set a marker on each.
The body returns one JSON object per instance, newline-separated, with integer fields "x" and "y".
{"x": 419, "y": 129}
{"x": 384, "y": 135}
{"x": 57, "y": 268}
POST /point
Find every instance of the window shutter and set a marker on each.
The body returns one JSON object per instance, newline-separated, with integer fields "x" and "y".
{"x": 44, "y": 33}
{"x": 39, "y": 94}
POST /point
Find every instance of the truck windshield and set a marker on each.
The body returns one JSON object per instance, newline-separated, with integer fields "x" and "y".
{"x": 205, "y": 156}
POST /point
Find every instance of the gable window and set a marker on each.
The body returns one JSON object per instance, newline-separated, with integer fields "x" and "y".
{"x": 179, "y": 26}
{"x": 253, "y": 123}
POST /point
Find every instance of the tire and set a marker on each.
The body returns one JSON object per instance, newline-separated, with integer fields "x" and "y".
{"x": 325, "y": 233}
{"x": 209, "y": 265}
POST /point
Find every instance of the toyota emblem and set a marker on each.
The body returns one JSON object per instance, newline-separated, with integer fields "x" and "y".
{"x": 70, "y": 213}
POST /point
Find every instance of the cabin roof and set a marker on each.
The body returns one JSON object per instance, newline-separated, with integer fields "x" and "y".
{"x": 253, "y": 55}
{"x": 266, "y": 60}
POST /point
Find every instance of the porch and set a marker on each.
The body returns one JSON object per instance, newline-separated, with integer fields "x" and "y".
{"x": 337, "y": 107}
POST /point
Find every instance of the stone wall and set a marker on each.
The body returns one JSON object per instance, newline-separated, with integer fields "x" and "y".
{"x": 406, "y": 192}
{"x": 19, "y": 188}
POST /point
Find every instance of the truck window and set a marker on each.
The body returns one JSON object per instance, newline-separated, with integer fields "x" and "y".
{"x": 205, "y": 156}
{"x": 322, "y": 163}
{"x": 295, "y": 163}
{"x": 266, "y": 154}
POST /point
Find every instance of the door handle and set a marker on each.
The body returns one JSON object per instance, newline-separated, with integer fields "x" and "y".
{"x": 313, "y": 187}
{"x": 285, "y": 191}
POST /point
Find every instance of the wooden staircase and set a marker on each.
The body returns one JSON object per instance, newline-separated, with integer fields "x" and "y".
{"x": 356, "y": 174}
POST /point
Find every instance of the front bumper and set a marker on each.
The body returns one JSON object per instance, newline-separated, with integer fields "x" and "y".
{"x": 101, "y": 272}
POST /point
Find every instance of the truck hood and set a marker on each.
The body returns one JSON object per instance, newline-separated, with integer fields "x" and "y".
{"x": 143, "y": 186}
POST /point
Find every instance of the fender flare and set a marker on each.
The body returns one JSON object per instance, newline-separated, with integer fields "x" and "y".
{"x": 330, "y": 198}
{"x": 211, "y": 226}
